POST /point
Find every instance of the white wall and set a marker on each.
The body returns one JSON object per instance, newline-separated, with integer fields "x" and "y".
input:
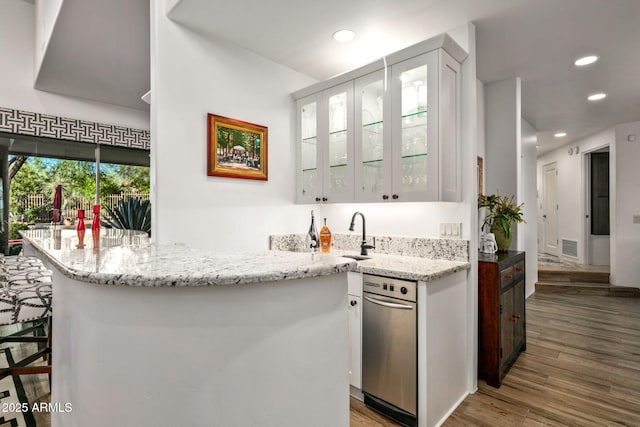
{"x": 625, "y": 234}
{"x": 571, "y": 185}
{"x": 17, "y": 50}
{"x": 502, "y": 121}
{"x": 528, "y": 231}
{"x": 193, "y": 76}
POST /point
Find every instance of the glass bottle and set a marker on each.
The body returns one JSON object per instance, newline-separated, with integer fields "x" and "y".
{"x": 325, "y": 238}
{"x": 312, "y": 235}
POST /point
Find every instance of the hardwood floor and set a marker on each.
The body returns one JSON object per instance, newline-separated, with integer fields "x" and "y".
{"x": 581, "y": 368}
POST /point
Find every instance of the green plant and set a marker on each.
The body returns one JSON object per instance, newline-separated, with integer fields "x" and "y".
{"x": 40, "y": 213}
{"x": 130, "y": 214}
{"x": 503, "y": 211}
{"x": 14, "y": 227}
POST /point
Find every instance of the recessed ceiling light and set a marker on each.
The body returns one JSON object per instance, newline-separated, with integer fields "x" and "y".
{"x": 586, "y": 60}
{"x": 344, "y": 36}
{"x": 560, "y": 134}
{"x": 597, "y": 96}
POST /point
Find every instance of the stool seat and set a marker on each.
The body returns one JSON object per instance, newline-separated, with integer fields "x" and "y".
{"x": 25, "y": 296}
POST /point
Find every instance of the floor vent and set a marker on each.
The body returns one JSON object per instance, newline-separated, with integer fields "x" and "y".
{"x": 570, "y": 248}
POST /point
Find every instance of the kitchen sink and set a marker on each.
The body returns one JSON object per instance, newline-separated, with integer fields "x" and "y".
{"x": 356, "y": 257}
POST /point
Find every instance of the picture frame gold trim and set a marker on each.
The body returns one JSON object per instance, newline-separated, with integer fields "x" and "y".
{"x": 236, "y": 149}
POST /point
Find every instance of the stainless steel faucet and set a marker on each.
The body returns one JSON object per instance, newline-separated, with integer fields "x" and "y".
{"x": 363, "y": 246}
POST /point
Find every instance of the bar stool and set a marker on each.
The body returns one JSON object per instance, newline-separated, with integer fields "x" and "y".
{"x": 25, "y": 297}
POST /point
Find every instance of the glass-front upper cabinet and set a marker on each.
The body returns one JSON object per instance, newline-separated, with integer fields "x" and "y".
{"x": 325, "y": 146}
{"x": 309, "y": 184}
{"x": 425, "y": 130}
{"x": 372, "y": 139}
{"x": 385, "y": 134}
{"x": 415, "y": 129}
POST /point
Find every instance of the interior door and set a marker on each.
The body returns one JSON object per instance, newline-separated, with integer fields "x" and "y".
{"x": 550, "y": 209}
{"x": 598, "y": 239}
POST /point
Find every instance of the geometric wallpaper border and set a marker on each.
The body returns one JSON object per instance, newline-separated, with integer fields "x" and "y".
{"x": 46, "y": 126}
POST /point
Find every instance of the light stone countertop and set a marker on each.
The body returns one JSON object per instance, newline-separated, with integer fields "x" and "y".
{"x": 126, "y": 258}
{"x": 405, "y": 267}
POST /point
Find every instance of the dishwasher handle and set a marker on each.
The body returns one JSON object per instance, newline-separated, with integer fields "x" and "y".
{"x": 388, "y": 304}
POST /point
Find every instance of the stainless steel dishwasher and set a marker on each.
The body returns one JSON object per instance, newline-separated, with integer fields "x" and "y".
{"x": 390, "y": 347}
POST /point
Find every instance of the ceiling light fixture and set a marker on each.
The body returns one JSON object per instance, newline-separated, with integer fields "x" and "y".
{"x": 597, "y": 96}
{"x": 344, "y": 36}
{"x": 560, "y": 134}
{"x": 586, "y": 60}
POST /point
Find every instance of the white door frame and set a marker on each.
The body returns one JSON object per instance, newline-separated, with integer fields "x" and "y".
{"x": 547, "y": 246}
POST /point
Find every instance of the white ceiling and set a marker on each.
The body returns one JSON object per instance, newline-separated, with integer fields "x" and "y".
{"x": 99, "y": 50}
{"x": 102, "y": 48}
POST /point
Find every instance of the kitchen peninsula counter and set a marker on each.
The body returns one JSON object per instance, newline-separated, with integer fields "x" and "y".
{"x": 148, "y": 335}
{"x": 127, "y": 258}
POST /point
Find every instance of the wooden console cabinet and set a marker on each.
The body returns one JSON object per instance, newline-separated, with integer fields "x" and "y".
{"x": 501, "y": 313}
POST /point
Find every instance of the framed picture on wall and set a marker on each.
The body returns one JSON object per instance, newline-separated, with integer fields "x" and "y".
{"x": 236, "y": 149}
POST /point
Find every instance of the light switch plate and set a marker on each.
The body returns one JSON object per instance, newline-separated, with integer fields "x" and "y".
{"x": 451, "y": 230}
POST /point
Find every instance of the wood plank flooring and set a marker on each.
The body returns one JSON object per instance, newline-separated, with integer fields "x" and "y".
{"x": 581, "y": 367}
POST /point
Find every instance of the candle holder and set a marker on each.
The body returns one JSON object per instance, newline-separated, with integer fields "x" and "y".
{"x": 81, "y": 228}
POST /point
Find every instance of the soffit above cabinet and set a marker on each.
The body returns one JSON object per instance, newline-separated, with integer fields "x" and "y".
{"x": 443, "y": 41}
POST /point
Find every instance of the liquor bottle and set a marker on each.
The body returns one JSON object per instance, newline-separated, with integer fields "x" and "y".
{"x": 312, "y": 235}
{"x": 325, "y": 238}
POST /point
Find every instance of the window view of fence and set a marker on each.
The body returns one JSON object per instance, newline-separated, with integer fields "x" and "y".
{"x": 37, "y": 208}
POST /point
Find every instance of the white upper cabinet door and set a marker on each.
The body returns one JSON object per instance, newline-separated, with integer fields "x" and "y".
{"x": 308, "y": 162}
{"x": 336, "y": 129}
{"x": 372, "y": 138}
{"x": 415, "y": 128}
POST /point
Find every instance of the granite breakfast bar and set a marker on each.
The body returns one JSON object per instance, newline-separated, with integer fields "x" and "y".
{"x": 148, "y": 335}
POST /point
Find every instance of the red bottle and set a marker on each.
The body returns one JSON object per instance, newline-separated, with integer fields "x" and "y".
{"x": 81, "y": 228}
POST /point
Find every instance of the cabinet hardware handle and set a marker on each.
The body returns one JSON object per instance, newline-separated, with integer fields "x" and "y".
{"x": 317, "y": 199}
{"x": 518, "y": 269}
{"x": 385, "y": 197}
{"x": 353, "y": 302}
{"x": 324, "y": 199}
{"x": 507, "y": 276}
{"x": 395, "y": 197}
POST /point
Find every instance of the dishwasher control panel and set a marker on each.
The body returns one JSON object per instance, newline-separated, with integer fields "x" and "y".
{"x": 390, "y": 287}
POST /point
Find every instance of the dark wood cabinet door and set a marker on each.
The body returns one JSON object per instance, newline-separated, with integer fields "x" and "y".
{"x": 506, "y": 325}
{"x": 518, "y": 313}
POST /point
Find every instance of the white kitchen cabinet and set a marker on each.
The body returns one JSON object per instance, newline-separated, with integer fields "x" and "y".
{"x": 372, "y": 138}
{"x": 355, "y": 329}
{"x": 402, "y": 137}
{"x": 355, "y": 341}
{"x": 325, "y": 146}
{"x": 425, "y": 128}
